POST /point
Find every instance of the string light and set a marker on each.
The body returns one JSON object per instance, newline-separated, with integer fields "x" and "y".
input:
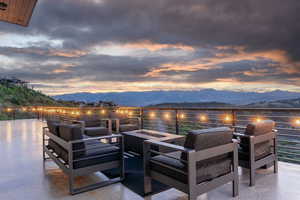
{"x": 258, "y": 119}
{"x": 152, "y": 114}
{"x": 203, "y": 118}
{"x": 227, "y": 118}
{"x": 89, "y": 112}
{"x": 181, "y": 116}
{"x": 167, "y": 116}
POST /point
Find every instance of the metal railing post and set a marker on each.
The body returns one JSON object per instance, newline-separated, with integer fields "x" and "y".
{"x": 142, "y": 117}
{"x": 234, "y": 118}
{"x": 176, "y": 122}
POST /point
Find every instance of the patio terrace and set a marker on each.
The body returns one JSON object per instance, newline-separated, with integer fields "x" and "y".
{"x": 22, "y": 175}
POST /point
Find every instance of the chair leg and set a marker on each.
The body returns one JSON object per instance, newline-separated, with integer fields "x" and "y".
{"x": 235, "y": 187}
{"x": 71, "y": 184}
{"x": 252, "y": 176}
{"x": 192, "y": 196}
{"x": 275, "y": 166}
{"x": 147, "y": 185}
{"x": 235, "y": 182}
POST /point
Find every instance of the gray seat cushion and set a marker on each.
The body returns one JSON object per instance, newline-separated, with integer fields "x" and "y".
{"x": 205, "y": 171}
{"x": 261, "y": 149}
{"x": 95, "y": 153}
{"x": 128, "y": 127}
{"x": 96, "y": 131}
{"x": 71, "y": 133}
{"x": 53, "y": 127}
{"x": 92, "y": 123}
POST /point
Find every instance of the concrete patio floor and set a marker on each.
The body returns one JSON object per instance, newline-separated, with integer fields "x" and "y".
{"x": 22, "y": 176}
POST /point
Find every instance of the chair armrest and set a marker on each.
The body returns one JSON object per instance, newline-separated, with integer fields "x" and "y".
{"x": 264, "y": 138}
{"x": 215, "y": 151}
{"x": 78, "y": 122}
{"x": 97, "y": 138}
{"x": 241, "y": 135}
{"x": 168, "y": 145}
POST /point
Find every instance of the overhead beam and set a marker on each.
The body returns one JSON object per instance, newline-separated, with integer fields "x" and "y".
{"x": 17, "y": 11}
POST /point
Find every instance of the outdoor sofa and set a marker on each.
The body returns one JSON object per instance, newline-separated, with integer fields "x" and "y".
{"x": 79, "y": 156}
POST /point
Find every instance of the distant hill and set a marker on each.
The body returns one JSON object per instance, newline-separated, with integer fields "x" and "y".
{"x": 288, "y": 103}
{"x": 199, "y": 96}
{"x": 193, "y": 105}
{"x": 18, "y": 95}
{"x": 15, "y": 95}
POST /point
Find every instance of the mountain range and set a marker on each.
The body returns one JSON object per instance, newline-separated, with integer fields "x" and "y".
{"x": 158, "y": 97}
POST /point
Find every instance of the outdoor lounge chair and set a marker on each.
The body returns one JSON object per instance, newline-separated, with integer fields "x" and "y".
{"x": 77, "y": 156}
{"x": 258, "y": 147}
{"x": 128, "y": 124}
{"x": 95, "y": 128}
{"x": 208, "y": 159}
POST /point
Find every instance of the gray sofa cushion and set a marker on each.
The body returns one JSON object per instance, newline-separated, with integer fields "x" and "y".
{"x": 92, "y": 123}
{"x": 96, "y": 131}
{"x": 207, "y": 138}
{"x": 205, "y": 171}
{"x": 260, "y": 128}
{"x": 71, "y": 133}
{"x": 95, "y": 153}
{"x": 261, "y": 149}
{"x": 53, "y": 127}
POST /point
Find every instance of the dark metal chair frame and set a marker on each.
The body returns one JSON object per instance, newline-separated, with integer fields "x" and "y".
{"x": 68, "y": 169}
{"x": 118, "y": 124}
{"x": 253, "y": 164}
{"x": 191, "y": 188}
{"x": 82, "y": 124}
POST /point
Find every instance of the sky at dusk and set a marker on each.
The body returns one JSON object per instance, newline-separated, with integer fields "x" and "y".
{"x": 142, "y": 45}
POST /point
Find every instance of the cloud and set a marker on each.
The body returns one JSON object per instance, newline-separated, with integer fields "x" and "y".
{"x": 144, "y": 45}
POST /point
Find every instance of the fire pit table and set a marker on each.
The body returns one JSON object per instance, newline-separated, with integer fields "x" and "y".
{"x": 134, "y": 140}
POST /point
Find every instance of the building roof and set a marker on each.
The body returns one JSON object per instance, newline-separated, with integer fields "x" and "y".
{"x": 17, "y": 11}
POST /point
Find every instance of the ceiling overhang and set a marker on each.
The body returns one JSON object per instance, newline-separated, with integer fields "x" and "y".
{"x": 17, "y": 11}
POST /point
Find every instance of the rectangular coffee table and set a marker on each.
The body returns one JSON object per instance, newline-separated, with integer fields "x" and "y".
{"x": 134, "y": 140}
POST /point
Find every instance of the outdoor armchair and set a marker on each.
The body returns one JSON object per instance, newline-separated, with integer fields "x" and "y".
{"x": 258, "y": 147}
{"x": 128, "y": 124}
{"x": 95, "y": 128}
{"x": 208, "y": 159}
{"x": 79, "y": 156}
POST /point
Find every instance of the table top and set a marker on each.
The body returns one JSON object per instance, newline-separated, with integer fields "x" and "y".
{"x": 152, "y": 135}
